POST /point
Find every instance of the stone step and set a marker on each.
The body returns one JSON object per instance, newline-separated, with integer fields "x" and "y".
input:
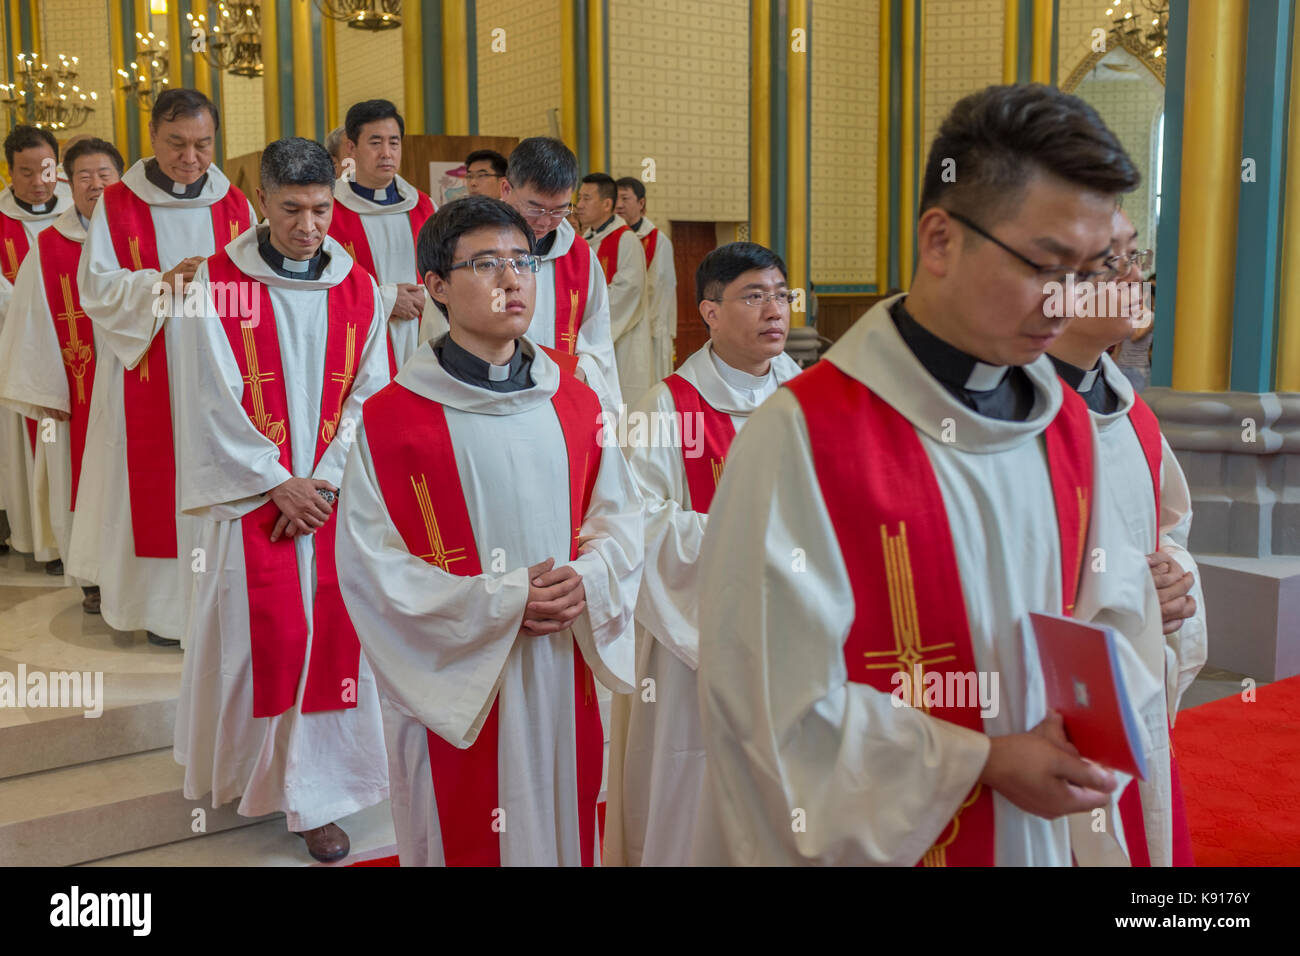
{"x": 50, "y": 739}
{"x": 94, "y": 810}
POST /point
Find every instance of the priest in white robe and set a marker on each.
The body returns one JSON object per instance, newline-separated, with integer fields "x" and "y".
{"x": 48, "y": 346}
{"x": 621, "y": 258}
{"x": 148, "y": 235}
{"x": 277, "y": 705}
{"x": 377, "y": 216}
{"x": 572, "y": 310}
{"x": 656, "y": 750}
{"x": 661, "y": 274}
{"x": 493, "y": 536}
{"x": 833, "y": 567}
{"x": 1143, "y": 475}
{"x": 30, "y": 204}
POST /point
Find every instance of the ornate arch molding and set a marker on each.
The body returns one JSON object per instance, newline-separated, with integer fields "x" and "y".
{"x": 1156, "y": 64}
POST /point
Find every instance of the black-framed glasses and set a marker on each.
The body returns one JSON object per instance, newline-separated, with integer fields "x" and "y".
{"x": 496, "y": 265}
{"x": 756, "y": 299}
{"x": 1046, "y": 273}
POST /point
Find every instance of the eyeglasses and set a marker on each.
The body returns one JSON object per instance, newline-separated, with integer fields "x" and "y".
{"x": 1046, "y": 273}
{"x": 1142, "y": 258}
{"x": 482, "y": 174}
{"x": 533, "y": 211}
{"x": 496, "y": 265}
{"x": 756, "y": 299}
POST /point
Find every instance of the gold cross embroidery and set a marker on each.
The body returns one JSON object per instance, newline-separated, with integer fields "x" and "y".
{"x": 718, "y": 464}
{"x": 328, "y": 428}
{"x": 77, "y": 354}
{"x": 133, "y": 245}
{"x": 910, "y": 655}
{"x": 12, "y": 253}
{"x": 234, "y": 228}
{"x": 437, "y": 552}
{"x": 1081, "y": 499}
{"x": 570, "y": 338}
{"x": 143, "y": 368}
{"x": 255, "y": 378}
{"x": 351, "y": 251}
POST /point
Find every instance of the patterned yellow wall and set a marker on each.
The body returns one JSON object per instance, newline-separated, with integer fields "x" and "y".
{"x": 1131, "y": 107}
{"x": 679, "y": 94}
{"x": 845, "y": 112}
{"x": 518, "y": 88}
{"x": 962, "y": 42}
{"x": 369, "y": 66}
{"x": 1075, "y": 23}
{"x": 242, "y": 124}
{"x": 66, "y": 27}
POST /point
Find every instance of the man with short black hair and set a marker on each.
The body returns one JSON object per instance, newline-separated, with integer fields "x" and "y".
{"x": 572, "y": 310}
{"x": 657, "y": 760}
{"x": 484, "y": 170}
{"x": 47, "y": 348}
{"x": 661, "y": 274}
{"x": 377, "y": 216}
{"x": 277, "y": 706}
{"x": 33, "y": 200}
{"x": 147, "y": 236}
{"x": 622, "y": 261}
{"x": 493, "y": 544}
{"x": 1150, "y": 494}
{"x": 905, "y": 504}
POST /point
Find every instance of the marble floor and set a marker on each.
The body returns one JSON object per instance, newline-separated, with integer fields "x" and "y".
{"x": 43, "y": 626}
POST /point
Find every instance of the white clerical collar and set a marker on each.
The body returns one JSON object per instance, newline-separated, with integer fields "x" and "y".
{"x": 1089, "y": 380}
{"x": 741, "y": 381}
{"x": 985, "y": 378}
{"x": 498, "y": 373}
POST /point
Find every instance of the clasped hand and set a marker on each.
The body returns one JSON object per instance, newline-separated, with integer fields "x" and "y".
{"x": 555, "y": 599}
{"x": 302, "y": 510}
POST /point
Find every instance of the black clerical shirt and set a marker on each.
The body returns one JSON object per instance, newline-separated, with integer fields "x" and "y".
{"x": 1004, "y": 393}
{"x": 170, "y": 186}
{"x": 42, "y": 209}
{"x": 310, "y": 269}
{"x": 469, "y": 368}
{"x": 1091, "y": 385}
{"x": 385, "y": 198}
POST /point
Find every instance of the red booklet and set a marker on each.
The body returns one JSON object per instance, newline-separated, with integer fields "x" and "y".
{"x": 1082, "y": 675}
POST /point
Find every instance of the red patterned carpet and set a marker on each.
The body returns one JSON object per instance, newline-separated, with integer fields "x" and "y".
{"x": 1240, "y": 767}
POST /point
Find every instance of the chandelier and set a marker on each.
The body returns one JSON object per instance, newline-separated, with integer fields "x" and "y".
{"x": 234, "y": 41}
{"x": 47, "y": 98}
{"x": 146, "y": 81}
{"x": 1143, "y": 32}
{"x": 364, "y": 14}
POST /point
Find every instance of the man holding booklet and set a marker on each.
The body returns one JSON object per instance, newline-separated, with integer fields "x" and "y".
{"x": 965, "y": 499}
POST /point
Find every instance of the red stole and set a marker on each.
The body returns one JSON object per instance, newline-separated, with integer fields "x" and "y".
{"x": 410, "y": 443}
{"x": 1147, "y": 427}
{"x": 60, "y": 257}
{"x": 346, "y": 227}
{"x": 14, "y": 245}
{"x": 893, "y": 531}
{"x": 277, "y": 619}
{"x": 704, "y": 471}
{"x": 572, "y": 277}
{"x": 650, "y": 242}
{"x": 607, "y": 253}
{"x": 150, "y": 449}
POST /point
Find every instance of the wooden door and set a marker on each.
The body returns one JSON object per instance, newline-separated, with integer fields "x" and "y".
{"x": 692, "y": 241}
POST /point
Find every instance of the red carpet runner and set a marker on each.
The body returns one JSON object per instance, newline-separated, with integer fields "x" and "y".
{"x": 1240, "y": 767}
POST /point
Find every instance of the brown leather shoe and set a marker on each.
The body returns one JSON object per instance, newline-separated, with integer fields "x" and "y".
{"x": 90, "y": 600}
{"x": 327, "y": 843}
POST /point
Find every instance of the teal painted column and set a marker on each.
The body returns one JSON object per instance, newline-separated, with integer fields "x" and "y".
{"x": 1259, "y": 211}
{"x": 471, "y": 38}
{"x": 435, "y": 116}
{"x": 283, "y": 64}
{"x": 1024, "y": 41}
{"x": 132, "y": 103}
{"x": 1162, "y": 354}
{"x": 582, "y": 73}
